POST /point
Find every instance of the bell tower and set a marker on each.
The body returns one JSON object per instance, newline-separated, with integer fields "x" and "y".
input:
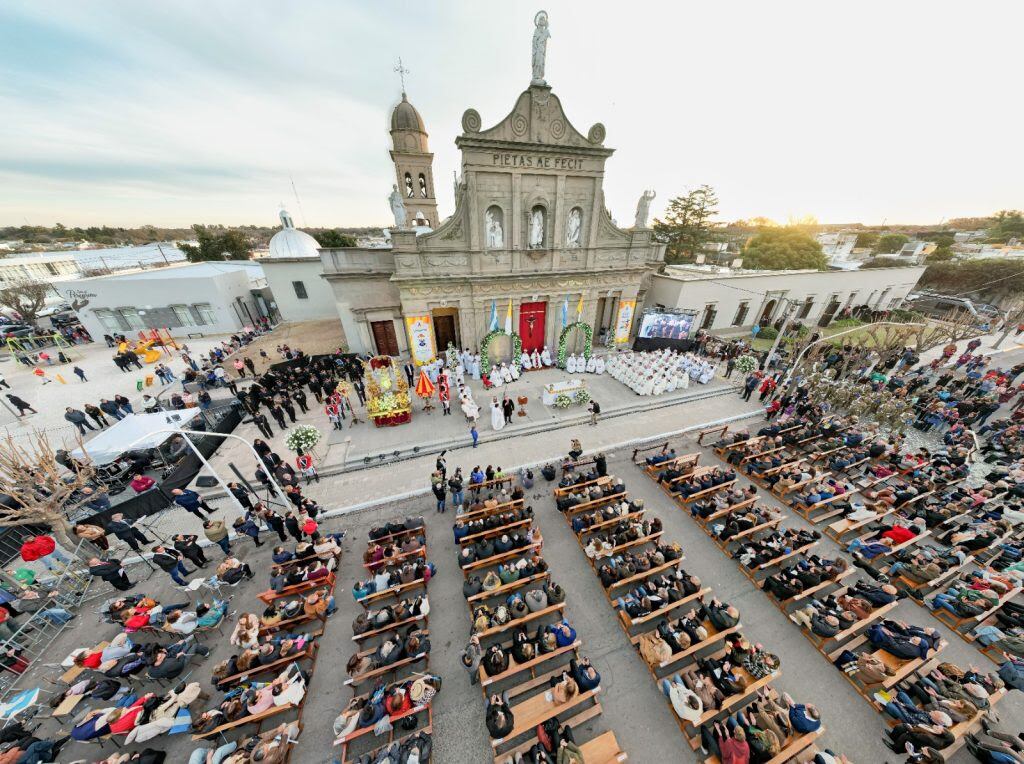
{"x": 414, "y": 164}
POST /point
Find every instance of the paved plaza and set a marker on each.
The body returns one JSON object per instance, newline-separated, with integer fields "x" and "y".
{"x": 633, "y": 707}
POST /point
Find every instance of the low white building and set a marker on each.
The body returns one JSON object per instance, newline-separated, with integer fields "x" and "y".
{"x": 35, "y": 268}
{"x": 295, "y": 274}
{"x": 188, "y": 300}
{"x": 838, "y": 248}
{"x": 727, "y": 300}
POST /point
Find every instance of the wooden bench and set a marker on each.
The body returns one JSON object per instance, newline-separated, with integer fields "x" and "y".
{"x": 256, "y": 719}
{"x": 822, "y": 644}
{"x": 713, "y": 638}
{"x": 683, "y": 461}
{"x": 796, "y": 599}
{"x": 495, "y": 532}
{"x": 504, "y": 589}
{"x": 642, "y": 576}
{"x": 599, "y": 526}
{"x": 366, "y": 676}
{"x": 396, "y": 535}
{"x": 487, "y": 511}
{"x": 517, "y": 622}
{"x": 560, "y": 491}
{"x": 723, "y": 544}
{"x": 721, "y": 429}
{"x": 575, "y": 721}
{"x": 840, "y": 528}
{"x": 495, "y": 559}
{"x": 537, "y": 710}
{"x": 752, "y": 573}
{"x": 490, "y": 485}
{"x": 782, "y": 491}
{"x": 531, "y": 666}
{"x": 687, "y": 500}
{"x": 397, "y": 559}
{"x": 956, "y": 623}
{"x": 622, "y": 547}
{"x": 583, "y": 506}
{"x": 268, "y": 596}
{"x": 298, "y": 620}
{"x": 603, "y": 749}
{"x": 897, "y": 669}
{"x": 392, "y": 591}
{"x": 308, "y": 652}
{"x": 723, "y": 450}
{"x": 724, "y": 511}
{"x": 362, "y": 637}
{"x": 628, "y": 624}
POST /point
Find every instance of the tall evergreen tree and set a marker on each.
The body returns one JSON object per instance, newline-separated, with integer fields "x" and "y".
{"x": 688, "y": 225}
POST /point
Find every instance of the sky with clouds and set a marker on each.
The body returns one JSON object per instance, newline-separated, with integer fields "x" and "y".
{"x": 126, "y": 113}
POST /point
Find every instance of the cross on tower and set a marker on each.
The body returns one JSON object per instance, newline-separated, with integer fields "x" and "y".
{"x": 402, "y": 71}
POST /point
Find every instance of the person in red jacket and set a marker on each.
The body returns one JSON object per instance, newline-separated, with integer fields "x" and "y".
{"x": 305, "y": 464}
{"x": 767, "y": 388}
{"x": 734, "y": 748}
{"x": 44, "y": 549}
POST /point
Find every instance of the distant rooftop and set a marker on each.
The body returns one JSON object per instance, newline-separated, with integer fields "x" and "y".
{"x": 687, "y": 272}
{"x": 185, "y": 271}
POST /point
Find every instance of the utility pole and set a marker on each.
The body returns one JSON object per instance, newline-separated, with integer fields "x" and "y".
{"x": 790, "y": 310}
{"x": 161, "y": 251}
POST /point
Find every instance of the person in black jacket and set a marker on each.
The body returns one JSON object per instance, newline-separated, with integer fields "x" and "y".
{"x": 499, "y": 718}
{"x": 112, "y": 572}
{"x": 241, "y": 494}
{"x": 272, "y": 519}
{"x": 292, "y": 524}
{"x": 170, "y": 560}
{"x": 186, "y": 544}
{"x": 127, "y": 532}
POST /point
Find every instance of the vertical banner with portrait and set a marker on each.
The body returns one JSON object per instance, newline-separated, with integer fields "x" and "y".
{"x": 421, "y": 339}
{"x": 624, "y": 321}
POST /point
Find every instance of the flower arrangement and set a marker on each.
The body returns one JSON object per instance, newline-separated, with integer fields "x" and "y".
{"x": 581, "y": 398}
{"x": 746, "y": 364}
{"x": 517, "y": 349}
{"x": 303, "y": 437}
{"x": 562, "y": 401}
{"x": 588, "y": 341}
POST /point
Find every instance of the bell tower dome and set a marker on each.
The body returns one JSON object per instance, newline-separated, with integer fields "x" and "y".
{"x": 414, "y": 164}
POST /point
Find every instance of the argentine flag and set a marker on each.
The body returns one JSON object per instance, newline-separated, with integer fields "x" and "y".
{"x": 565, "y": 313}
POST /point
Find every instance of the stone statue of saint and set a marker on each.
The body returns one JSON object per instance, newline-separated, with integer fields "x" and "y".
{"x": 643, "y": 206}
{"x": 397, "y": 206}
{"x": 495, "y": 236}
{"x": 537, "y": 228}
{"x": 572, "y": 228}
{"x": 540, "y": 47}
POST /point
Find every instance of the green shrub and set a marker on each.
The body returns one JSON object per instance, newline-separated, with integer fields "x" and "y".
{"x": 847, "y": 323}
{"x": 768, "y": 333}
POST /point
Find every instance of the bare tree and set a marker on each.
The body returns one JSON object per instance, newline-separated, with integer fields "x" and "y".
{"x": 37, "y": 489}
{"x": 26, "y": 298}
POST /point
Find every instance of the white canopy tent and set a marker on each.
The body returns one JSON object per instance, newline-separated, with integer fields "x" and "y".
{"x": 135, "y": 431}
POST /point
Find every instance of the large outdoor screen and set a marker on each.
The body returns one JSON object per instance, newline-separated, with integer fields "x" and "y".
{"x": 656, "y": 325}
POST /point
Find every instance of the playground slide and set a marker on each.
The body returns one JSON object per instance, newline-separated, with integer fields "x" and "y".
{"x": 151, "y": 356}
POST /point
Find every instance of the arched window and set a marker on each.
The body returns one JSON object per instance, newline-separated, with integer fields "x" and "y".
{"x": 574, "y": 227}
{"x": 409, "y": 192}
{"x": 423, "y": 186}
{"x": 536, "y": 227}
{"x": 494, "y": 227}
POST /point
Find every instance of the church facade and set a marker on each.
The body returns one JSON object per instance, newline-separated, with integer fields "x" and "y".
{"x": 530, "y": 236}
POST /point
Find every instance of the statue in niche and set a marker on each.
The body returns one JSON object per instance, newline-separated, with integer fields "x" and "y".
{"x": 492, "y": 224}
{"x": 541, "y": 34}
{"x": 537, "y": 228}
{"x": 572, "y": 228}
{"x": 423, "y": 186}
{"x": 643, "y": 207}
{"x": 397, "y": 206}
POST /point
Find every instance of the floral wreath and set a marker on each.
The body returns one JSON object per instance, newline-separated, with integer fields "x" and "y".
{"x": 588, "y": 345}
{"x": 517, "y": 349}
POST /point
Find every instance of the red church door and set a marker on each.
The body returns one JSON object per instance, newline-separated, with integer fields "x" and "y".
{"x": 532, "y": 316}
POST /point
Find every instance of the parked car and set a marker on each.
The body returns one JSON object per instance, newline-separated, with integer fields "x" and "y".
{"x": 18, "y": 330}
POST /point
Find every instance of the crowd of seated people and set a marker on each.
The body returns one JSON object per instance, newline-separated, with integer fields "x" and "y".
{"x": 803, "y": 575}
{"x": 700, "y": 482}
{"x": 753, "y": 553}
{"x": 381, "y": 555}
{"x": 585, "y": 494}
{"x": 622, "y": 566}
{"x": 739, "y": 522}
{"x": 515, "y": 606}
{"x": 406, "y": 573}
{"x": 625, "y": 531}
{"x": 397, "y": 646}
{"x": 716, "y": 502}
{"x": 251, "y": 698}
{"x": 373, "y": 619}
{"x": 463, "y": 528}
{"x": 673, "y": 636}
{"x": 391, "y": 703}
{"x": 506, "y": 573}
{"x": 658, "y": 591}
{"x": 270, "y": 650}
{"x": 490, "y": 547}
{"x": 928, "y": 706}
{"x": 584, "y": 520}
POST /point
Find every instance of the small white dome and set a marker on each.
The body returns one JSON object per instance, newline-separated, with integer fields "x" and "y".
{"x": 291, "y": 242}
